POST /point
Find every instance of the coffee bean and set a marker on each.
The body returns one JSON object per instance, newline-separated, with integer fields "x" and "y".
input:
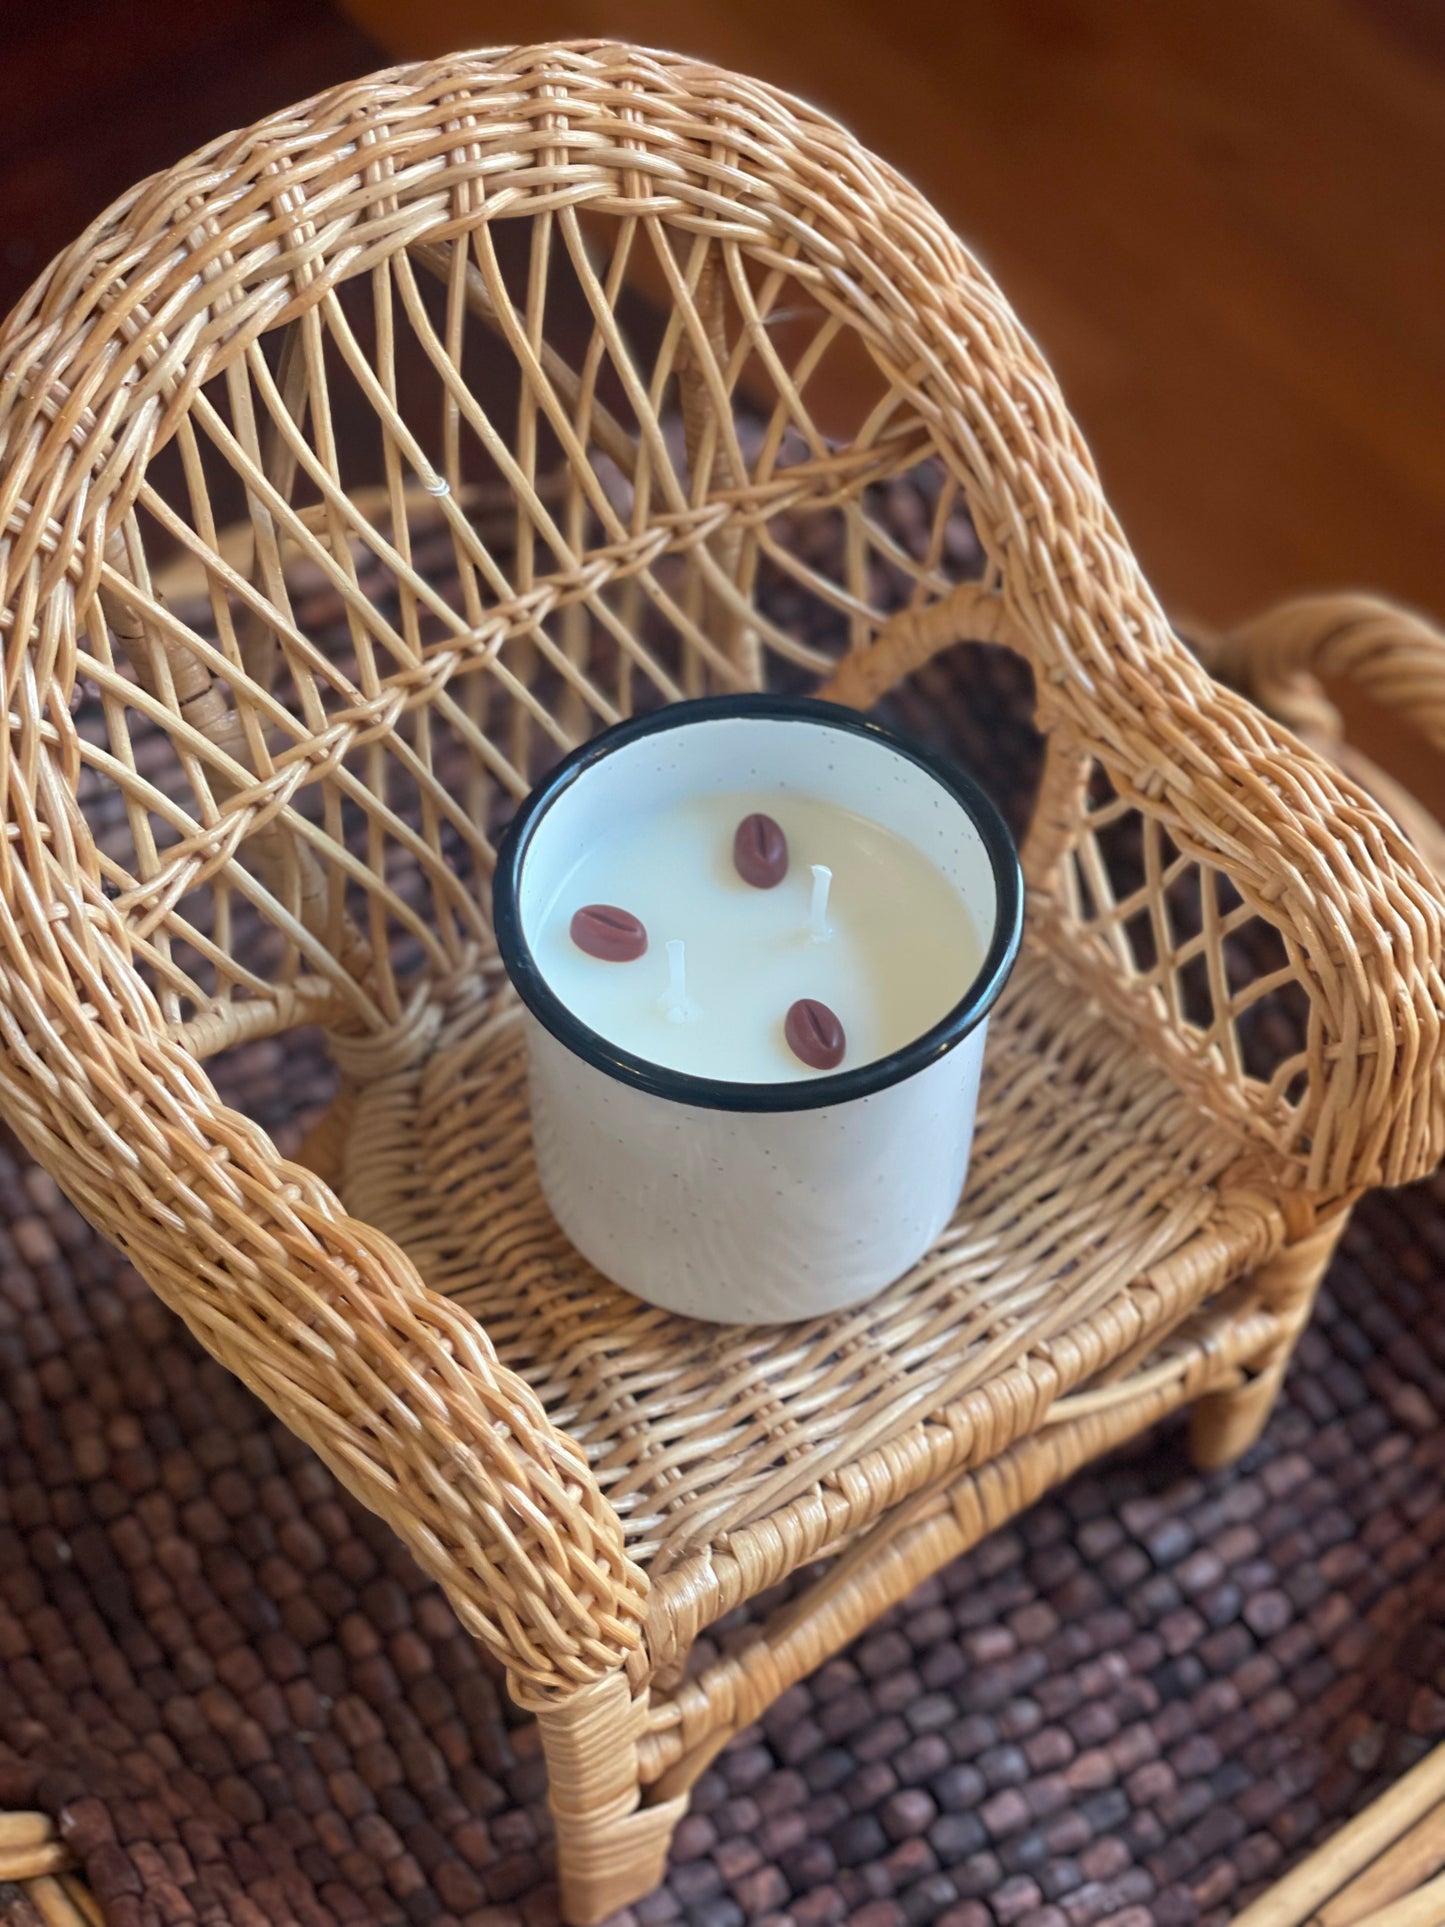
{"x": 613, "y": 935}
{"x": 760, "y": 851}
{"x": 814, "y": 1034}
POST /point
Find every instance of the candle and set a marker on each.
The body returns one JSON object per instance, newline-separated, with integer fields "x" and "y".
{"x": 757, "y": 940}
{"x": 898, "y": 948}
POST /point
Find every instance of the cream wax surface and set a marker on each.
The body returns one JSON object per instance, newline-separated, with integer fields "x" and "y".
{"x": 902, "y": 947}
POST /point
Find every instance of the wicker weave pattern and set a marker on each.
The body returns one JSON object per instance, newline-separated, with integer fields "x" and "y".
{"x": 740, "y": 199}
{"x": 232, "y": 420}
{"x": 1394, "y": 656}
{"x": 741, "y": 1423}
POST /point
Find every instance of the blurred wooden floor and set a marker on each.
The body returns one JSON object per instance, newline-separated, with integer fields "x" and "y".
{"x": 1223, "y": 219}
{"x": 1225, "y": 222}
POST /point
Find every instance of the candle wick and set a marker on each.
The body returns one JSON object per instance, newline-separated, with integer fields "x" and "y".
{"x": 819, "y": 929}
{"x": 675, "y": 1002}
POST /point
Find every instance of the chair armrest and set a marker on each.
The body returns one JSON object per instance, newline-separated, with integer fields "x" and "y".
{"x": 1393, "y": 656}
{"x": 1359, "y": 917}
{"x": 324, "y": 1318}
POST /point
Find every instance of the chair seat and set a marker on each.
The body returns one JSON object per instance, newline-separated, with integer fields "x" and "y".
{"x": 1089, "y": 1171}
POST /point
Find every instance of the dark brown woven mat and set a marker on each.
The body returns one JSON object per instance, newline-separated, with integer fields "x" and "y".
{"x": 246, "y": 1705}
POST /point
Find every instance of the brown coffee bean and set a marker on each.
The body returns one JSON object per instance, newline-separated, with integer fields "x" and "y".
{"x": 815, "y": 1035}
{"x": 613, "y": 935}
{"x": 760, "y": 851}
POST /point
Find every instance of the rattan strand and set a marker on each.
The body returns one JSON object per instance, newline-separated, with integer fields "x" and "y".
{"x": 1380, "y": 1870}
{"x": 37, "y": 1874}
{"x": 1393, "y": 656}
{"x": 205, "y": 351}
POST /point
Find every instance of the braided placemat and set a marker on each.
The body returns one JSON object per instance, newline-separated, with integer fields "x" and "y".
{"x": 227, "y": 1696}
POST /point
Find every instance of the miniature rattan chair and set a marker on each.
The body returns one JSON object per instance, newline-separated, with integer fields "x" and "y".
{"x": 403, "y": 319}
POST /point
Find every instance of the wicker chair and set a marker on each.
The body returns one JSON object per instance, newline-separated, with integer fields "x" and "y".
{"x": 400, "y": 319}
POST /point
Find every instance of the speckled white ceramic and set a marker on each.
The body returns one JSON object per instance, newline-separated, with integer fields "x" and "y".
{"x": 751, "y": 1217}
{"x": 755, "y": 1202}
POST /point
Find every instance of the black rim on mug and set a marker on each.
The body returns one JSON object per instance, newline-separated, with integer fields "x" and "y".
{"x": 710, "y": 1093}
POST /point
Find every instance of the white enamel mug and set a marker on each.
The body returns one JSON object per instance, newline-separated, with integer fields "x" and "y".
{"x": 749, "y": 1203}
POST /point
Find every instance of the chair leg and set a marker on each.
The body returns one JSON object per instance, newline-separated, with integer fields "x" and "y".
{"x": 611, "y": 1848}
{"x": 1223, "y": 1425}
